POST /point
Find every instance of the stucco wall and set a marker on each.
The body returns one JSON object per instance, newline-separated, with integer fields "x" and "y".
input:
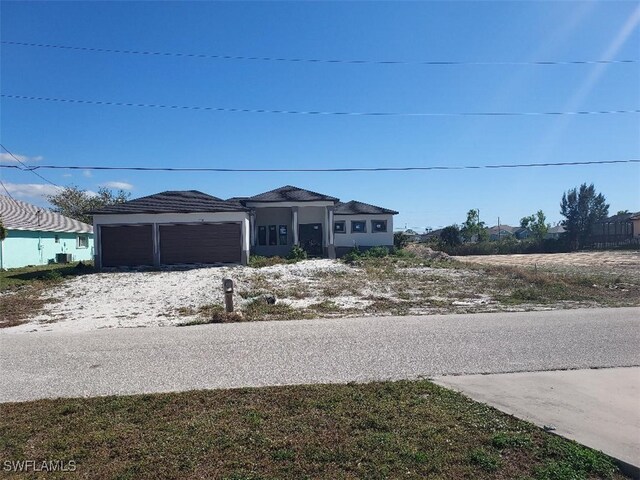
{"x": 636, "y": 228}
{"x": 161, "y": 218}
{"x": 367, "y": 239}
{"x": 25, "y": 247}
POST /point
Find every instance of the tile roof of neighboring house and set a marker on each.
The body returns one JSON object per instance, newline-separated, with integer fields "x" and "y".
{"x": 635, "y": 216}
{"x": 359, "y": 208}
{"x": 290, "y": 193}
{"x": 19, "y": 215}
{"x": 185, "y": 201}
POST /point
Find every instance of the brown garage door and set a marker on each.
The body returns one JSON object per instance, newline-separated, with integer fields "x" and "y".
{"x": 201, "y": 243}
{"x": 126, "y": 245}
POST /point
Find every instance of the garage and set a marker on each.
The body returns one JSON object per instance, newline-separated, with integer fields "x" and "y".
{"x": 126, "y": 245}
{"x": 205, "y": 243}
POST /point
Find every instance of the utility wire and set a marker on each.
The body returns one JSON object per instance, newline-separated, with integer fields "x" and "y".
{"x": 27, "y": 167}
{"x": 309, "y": 170}
{"x": 312, "y": 60}
{"x": 8, "y": 194}
{"x": 313, "y": 112}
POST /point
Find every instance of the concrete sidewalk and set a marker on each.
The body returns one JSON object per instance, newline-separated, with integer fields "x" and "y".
{"x": 598, "y": 408}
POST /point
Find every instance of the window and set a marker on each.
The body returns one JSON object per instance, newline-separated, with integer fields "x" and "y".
{"x": 83, "y": 241}
{"x": 358, "y": 226}
{"x": 56, "y": 238}
{"x": 262, "y": 235}
{"x": 340, "y": 227}
{"x": 273, "y": 238}
{"x": 378, "y": 225}
{"x": 283, "y": 234}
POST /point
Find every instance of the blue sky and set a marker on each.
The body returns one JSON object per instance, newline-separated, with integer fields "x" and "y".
{"x": 68, "y": 134}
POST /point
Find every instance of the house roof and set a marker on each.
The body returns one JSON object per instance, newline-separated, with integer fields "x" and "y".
{"x": 360, "y": 208}
{"x": 556, "y": 229}
{"x": 622, "y": 217}
{"x": 19, "y": 215}
{"x": 184, "y": 201}
{"x": 289, "y": 193}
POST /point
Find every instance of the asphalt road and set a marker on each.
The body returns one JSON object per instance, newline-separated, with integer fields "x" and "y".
{"x": 125, "y": 361}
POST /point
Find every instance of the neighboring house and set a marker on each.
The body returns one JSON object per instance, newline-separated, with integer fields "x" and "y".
{"x": 500, "y": 232}
{"x": 191, "y": 227}
{"x": 38, "y": 236}
{"x": 635, "y": 220}
{"x": 555, "y": 233}
{"x": 616, "y": 228}
{"x": 521, "y": 233}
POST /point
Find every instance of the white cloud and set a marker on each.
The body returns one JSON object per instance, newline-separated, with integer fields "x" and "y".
{"x": 31, "y": 191}
{"x": 87, "y": 173}
{"x": 117, "y": 185}
{"x": 6, "y": 158}
{"x": 67, "y": 175}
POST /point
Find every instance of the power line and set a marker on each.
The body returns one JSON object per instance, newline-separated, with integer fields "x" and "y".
{"x": 8, "y": 194}
{"x": 313, "y": 112}
{"x": 314, "y": 60}
{"x": 311, "y": 170}
{"x": 27, "y": 167}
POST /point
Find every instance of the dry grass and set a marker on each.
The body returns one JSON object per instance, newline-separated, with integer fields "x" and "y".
{"x": 377, "y": 430}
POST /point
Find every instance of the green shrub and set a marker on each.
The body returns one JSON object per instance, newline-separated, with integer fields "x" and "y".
{"x": 297, "y": 253}
{"x": 377, "y": 252}
{"x": 400, "y": 240}
{"x": 352, "y": 256}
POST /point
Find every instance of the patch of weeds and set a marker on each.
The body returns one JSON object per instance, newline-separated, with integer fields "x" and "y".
{"x": 211, "y": 313}
{"x": 570, "y": 460}
{"x": 487, "y": 461}
{"x": 511, "y": 440}
{"x": 259, "y": 310}
{"x": 326, "y": 306}
{"x": 283, "y": 455}
{"x": 258, "y": 261}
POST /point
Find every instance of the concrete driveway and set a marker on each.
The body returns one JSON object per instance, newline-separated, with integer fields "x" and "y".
{"x": 598, "y": 408}
{"x": 143, "y": 360}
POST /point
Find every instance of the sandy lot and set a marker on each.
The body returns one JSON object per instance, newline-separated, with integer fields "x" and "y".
{"x": 619, "y": 262}
{"x": 330, "y": 288}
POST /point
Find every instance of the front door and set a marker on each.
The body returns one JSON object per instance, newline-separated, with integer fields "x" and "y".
{"x": 310, "y": 236}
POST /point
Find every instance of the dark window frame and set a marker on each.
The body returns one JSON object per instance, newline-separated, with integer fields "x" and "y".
{"x": 364, "y": 226}
{"x": 272, "y": 240}
{"x": 373, "y": 227}
{"x": 262, "y": 235}
{"x": 340, "y": 222}
{"x": 283, "y": 236}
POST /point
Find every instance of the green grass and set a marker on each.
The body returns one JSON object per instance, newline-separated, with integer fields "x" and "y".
{"x": 20, "y": 277}
{"x": 24, "y": 288}
{"x": 408, "y": 429}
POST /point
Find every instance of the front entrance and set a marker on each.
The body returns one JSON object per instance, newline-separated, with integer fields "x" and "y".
{"x": 310, "y": 238}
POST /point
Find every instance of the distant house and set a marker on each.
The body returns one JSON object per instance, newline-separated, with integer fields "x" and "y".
{"x": 38, "y": 236}
{"x": 615, "y": 229}
{"x": 555, "y": 233}
{"x": 500, "y": 232}
{"x": 191, "y": 227}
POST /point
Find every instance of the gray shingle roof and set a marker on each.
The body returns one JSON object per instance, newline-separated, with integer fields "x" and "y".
{"x": 289, "y": 193}
{"x": 19, "y": 215}
{"x": 360, "y": 208}
{"x": 186, "y": 201}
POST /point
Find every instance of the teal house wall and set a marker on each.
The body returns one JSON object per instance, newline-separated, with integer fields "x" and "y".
{"x": 26, "y": 247}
